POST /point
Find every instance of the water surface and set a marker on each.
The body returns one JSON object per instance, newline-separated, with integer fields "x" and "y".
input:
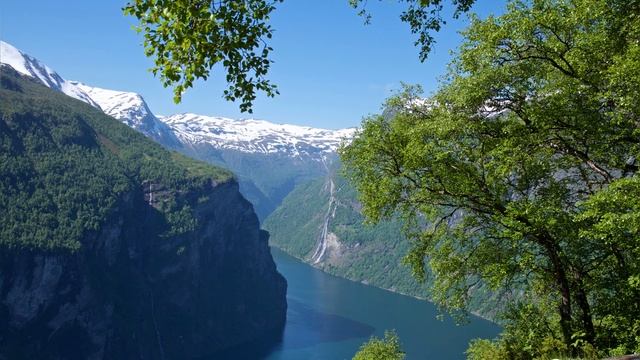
{"x": 330, "y": 317}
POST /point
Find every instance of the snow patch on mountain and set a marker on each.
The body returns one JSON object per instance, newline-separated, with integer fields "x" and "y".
{"x": 119, "y": 104}
{"x": 175, "y": 131}
{"x": 255, "y": 136}
{"x": 130, "y": 108}
{"x": 127, "y": 107}
{"x": 32, "y": 67}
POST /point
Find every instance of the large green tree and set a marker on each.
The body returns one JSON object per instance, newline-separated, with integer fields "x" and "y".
{"x": 187, "y": 38}
{"x": 521, "y": 173}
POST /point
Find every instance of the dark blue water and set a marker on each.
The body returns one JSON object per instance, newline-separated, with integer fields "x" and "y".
{"x": 329, "y": 318}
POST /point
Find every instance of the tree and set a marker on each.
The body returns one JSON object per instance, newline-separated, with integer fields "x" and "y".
{"x": 376, "y": 349}
{"x": 423, "y": 16}
{"x": 187, "y": 38}
{"x": 521, "y": 173}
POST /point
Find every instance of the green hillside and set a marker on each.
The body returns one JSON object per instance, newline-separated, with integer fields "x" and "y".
{"x": 44, "y": 134}
{"x": 371, "y": 254}
{"x": 113, "y": 247}
{"x": 265, "y": 179}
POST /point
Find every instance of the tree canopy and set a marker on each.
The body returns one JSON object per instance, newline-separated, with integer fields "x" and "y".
{"x": 187, "y": 38}
{"x": 521, "y": 173}
{"x": 423, "y": 16}
{"x": 387, "y": 348}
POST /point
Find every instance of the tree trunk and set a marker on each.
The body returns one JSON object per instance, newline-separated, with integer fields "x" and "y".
{"x": 565, "y": 307}
{"x": 560, "y": 274}
{"x": 583, "y": 303}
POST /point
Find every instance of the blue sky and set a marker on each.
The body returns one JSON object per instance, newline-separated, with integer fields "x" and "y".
{"x": 331, "y": 69}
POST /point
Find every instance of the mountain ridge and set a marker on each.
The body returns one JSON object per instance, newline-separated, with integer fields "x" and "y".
{"x": 269, "y": 159}
{"x": 187, "y": 129}
{"x": 257, "y": 136}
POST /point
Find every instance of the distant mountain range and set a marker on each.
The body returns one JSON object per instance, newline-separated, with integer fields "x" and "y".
{"x": 269, "y": 159}
{"x": 245, "y": 135}
{"x": 256, "y": 136}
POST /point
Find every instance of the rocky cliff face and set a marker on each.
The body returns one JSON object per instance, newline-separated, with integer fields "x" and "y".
{"x": 143, "y": 282}
{"x": 131, "y": 292}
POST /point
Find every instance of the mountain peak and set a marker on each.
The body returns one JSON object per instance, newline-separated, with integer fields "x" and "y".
{"x": 29, "y": 66}
{"x": 32, "y": 67}
{"x": 128, "y": 107}
{"x": 244, "y": 135}
{"x": 254, "y": 135}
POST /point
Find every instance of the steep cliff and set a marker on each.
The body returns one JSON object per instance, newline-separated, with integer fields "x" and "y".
{"x": 112, "y": 247}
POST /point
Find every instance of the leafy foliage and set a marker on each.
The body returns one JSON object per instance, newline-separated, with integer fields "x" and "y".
{"x": 520, "y": 173}
{"x": 423, "y": 16}
{"x": 375, "y": 349}
{"x": 64, "y": 166}
{"x": 187, "y": 38}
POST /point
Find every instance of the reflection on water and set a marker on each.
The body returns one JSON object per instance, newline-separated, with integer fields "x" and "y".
{"x": 308, "y": 327}
{"x": 329, "y": 318}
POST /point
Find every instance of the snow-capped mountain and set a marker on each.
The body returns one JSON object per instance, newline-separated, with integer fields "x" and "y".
{"x": 131, "y": 109}
{"x": 32, "y": 67}
{"x": 255, "y": 136}
{"x": 249, "y": 136}
{"x": 268, "y": 159}
{"x": 128, "y": 107}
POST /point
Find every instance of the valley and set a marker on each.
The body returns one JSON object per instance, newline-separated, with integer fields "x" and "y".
{"x": 291, "y": 174}
{"x": 269, "y": 179}
{"x": 270, "y": 162}
{"x": 320, "y": 223}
